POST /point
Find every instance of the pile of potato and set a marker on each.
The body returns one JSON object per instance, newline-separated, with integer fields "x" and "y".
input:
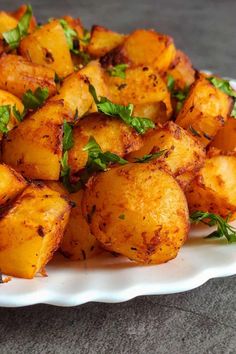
{"x": 138, "y": 207}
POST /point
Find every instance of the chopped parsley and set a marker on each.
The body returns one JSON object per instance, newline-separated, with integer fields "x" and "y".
{"x": 170, "y": 82}
{"x": 67, "y": 136}
{"x": 5, "y": 113}
{"x": 224, "y": 229}
{"x": 122, "y": 216}
{"x": 14, "y": 36}
{"x": 179, "y": 95}
{"x": 104, "y": 105}
{"x": 118, "y": 70}
{"x": 149, "y": 157}
{"x": 34, "y": 100}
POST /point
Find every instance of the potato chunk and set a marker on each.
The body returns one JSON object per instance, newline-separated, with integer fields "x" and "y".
{"x": 34, "y": 148}
{"x": 11, "y": 184}
{"x": 204, "y": 111}
{"x": 225, "y": 139}
{"x": 31, "y": 231}
{"x": 110, "y": 133}
{"x": 103, "y": 41}
{"x": 144, "y": 47}
{"x": 182, "y": 71}
{"x": 145, "y": 89}
{"x": 138, "y": 211}
{"x": 48, "y": 46}
{"x": 7, "y": 22}
{"x": 77, "y": 243}
{"x": 183, "y": 153}
{"x": 214, "y": 188}
{"x": 18, "y": 76}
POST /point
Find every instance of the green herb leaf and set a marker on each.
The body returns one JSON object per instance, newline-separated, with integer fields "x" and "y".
{"x": 5, "y": 113}
{"x": 170, "y": 82}
{"x": 14, "y": 36}
{"x": 223, "y": 228}
{"x": 70, "y": 33}
{"x": 118, "y": 70}
{"x": 98, "y": 160}
{"x": 222, "y": 85}
{"x": 19, "y": 116}
{"x": 233, "y": 113}
{"x": 86, "y": 37}
{"x": 34, "y": 100}
{"x": 122, "y": 216}
{"x": 141, "y": 125}
{"x": 149, "y": 157}
{"x": 57, "y": 79}
{"x": 67, "y": 136}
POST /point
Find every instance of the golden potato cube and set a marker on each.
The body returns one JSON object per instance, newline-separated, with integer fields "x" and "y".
{"x": 145, "y": 89}
{"x": 47, "y": 46}
{"x": 182, "y": 71}
{"x": 7, "y": 22}
{"x": 11, "y": 184}
{"x": 18, "y": 75}
{"x": 34, "y": 148}
{"x": 103, "y": 41}
{"x": 139, "y": 211}
{"x": 214, "y": 188}
{"x": 31, "y": 231}
{"x": 110, "y": 133}
{"x": 77, "y": 243}
{"x": 183, "y": 153}
{"x": 225, "y": 139}
{"x": 144, "y": 47}
{"x": 204, "y": 111}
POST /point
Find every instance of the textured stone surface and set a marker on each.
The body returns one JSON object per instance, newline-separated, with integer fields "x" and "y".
{"x": 199, "y": 321}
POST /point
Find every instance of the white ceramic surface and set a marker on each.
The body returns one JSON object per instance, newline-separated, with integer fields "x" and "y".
{"x": 114, "y": 279}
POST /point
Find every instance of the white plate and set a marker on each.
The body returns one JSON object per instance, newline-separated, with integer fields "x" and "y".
{"x": 114, "y": 279}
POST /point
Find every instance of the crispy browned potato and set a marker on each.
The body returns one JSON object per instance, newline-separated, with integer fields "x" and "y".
{"x": 144, "y": 88}
{"x": 183, "y": 153}
{"x": 214, "y": 188}
{"x": 11, "y": 184}
{"x": 110, "y": 133}
{"x": 204, "y": 111}
{"x": 138, "y": 211}
{"x": 182, "y": 71}
{"x": 34, "y": 148}
{"x": 103, "y": 41}
{"x": 225, "y": 139}
{"x": 7, "y": 99}
{"x": 7, "y": 22}
{"x": 143, "y": 47}
{"x": 48, "y": 46}
{"x": 18, "y": 75}
{"x": 31, "y": 231}
{"x": 77, "y": 243}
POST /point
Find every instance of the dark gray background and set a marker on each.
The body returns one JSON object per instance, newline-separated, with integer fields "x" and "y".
{"x": 200, "y": 321}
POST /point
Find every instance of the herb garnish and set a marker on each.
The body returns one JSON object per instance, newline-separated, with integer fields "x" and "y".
{"x": 14, "y": 36}
{"x": 67, "y": 144}
{"x": 223, "y": 228}
{"x": 34, "y": 100}
{"x": 104, "y": 105}
{"x": 149, "y": 157}
{"x": 86, "y": 37}
{"x": 99, "y": 160}
{"x": 170, "y": 82}
{"x": 179, "y": 95}
{"x": 118, "y": 70}
{"x": 5, "y": 112}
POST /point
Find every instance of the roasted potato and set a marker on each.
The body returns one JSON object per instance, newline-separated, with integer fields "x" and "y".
{"x": 138, "y": 211}
{"x": 143, "y": 47}
{"x": 213, "y": 189}
{"x": 11, "y": 184}
{"x": 34, "y": 148}
{"x": 7, "y": 99}
{"x": 31, "y": 231}
{"x": 225, "y": 139}
{"x": 18, "y": 75}
{"x": 48, "y": 46}
{"x": 77, "y": 243}
{"x": 110, "y": 133}
{"x": 182, "y": 152}
{"x": 205, "y": 110}
{"x": 144, "y": 88}
{"x": 103, "y": 41}
{"x": 7, "y": 22}
{"x": 182, "y": 71}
